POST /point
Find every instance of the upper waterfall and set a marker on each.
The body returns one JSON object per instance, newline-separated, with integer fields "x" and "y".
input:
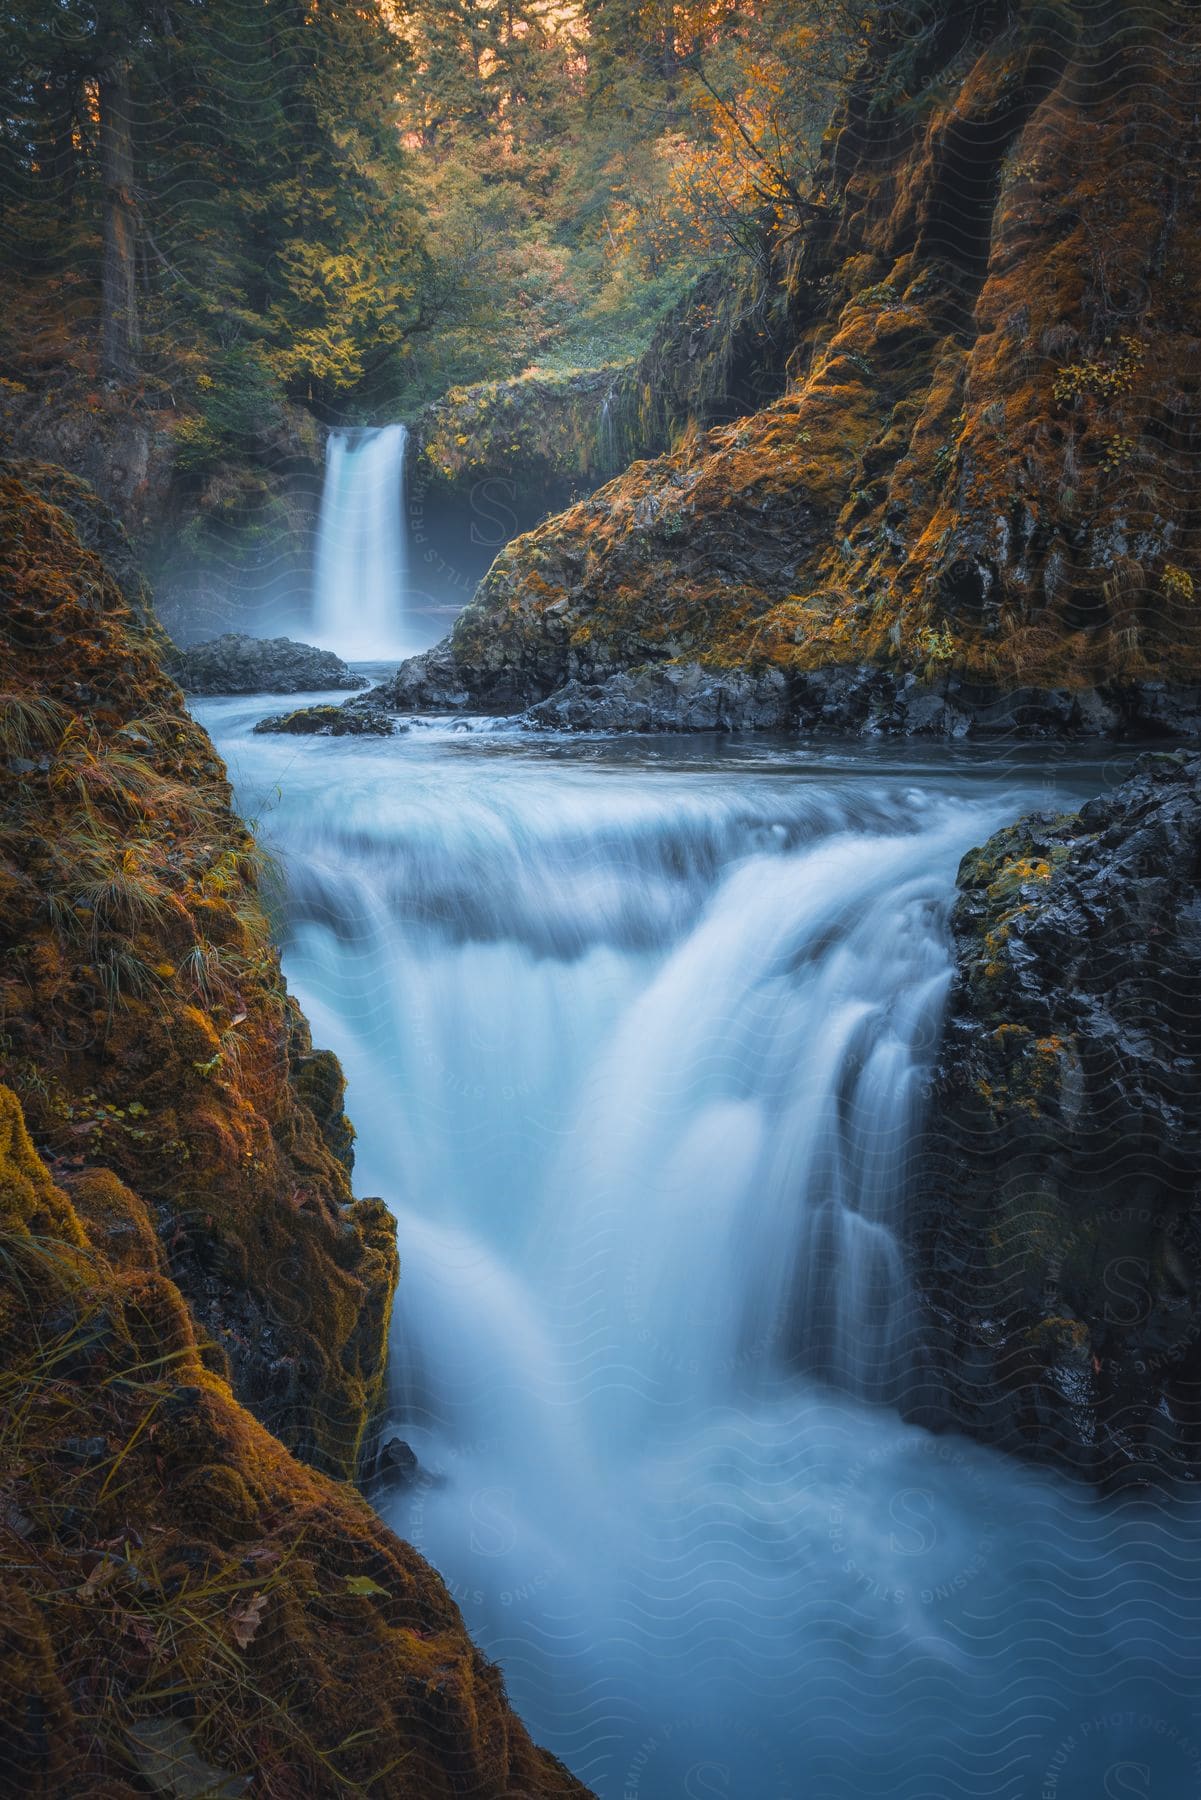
{"x": 362, "y": 575}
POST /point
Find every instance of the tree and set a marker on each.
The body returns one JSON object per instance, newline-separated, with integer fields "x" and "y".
{"x": 119, "y": 329}
{"x": 236, "y": 177}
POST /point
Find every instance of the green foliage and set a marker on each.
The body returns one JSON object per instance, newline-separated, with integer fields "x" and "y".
{"x": 938, "y": 646}
{"x": 357, "y": 207}
{"x": 279, "y": 248}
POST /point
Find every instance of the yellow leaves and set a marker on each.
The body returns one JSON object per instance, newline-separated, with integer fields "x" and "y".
{"x": 1104, "y": 377}
{"x": 1176, "y": 583}
{"x": 363, "y": 1586}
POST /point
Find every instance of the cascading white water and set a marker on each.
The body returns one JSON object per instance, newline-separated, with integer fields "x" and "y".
{"x": 361, "y": 574}
{"x": 635, "y": 1041}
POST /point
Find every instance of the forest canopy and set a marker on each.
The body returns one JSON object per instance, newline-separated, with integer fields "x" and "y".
{"x": 355, "y": 206}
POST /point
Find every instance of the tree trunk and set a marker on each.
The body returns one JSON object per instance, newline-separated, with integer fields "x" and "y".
{"x": 57, "y": 101}
{"x": 119, "y": 291}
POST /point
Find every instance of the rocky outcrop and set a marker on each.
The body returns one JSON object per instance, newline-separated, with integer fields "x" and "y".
{"x": 842, "y": 700}
{"x": 184, "y": 1265}
{"x": 221, "y": 519}
{"x": 237, "y": 664}
{"x": 430, "y": 682}
{"x": 1058, "y": 1225}
{"x": 330, "y": 721}
{"x": 984, "y": 461}
{"x": 544, "y": 434}
{"x": 159, "y": 1548}
{"x": 680, "y": 697}
{"x": 146, "y": 1026}
{"x": 98, "y": 527}
{"x": 548, "y": 435}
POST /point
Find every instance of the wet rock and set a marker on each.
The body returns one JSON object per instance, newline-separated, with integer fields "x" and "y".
{"x": 237, "y": 664}
{"x": 332, "y": 721}
{"x": 841, "y": 700}
{"x": 675, "y": 697}
{"x": 318, "y": 1079}
{"x": 398, "y": 1463}
{"x": 866, "y": 700}
{"x": 1057, "y": 1232}
{"x": 431, "y": 682}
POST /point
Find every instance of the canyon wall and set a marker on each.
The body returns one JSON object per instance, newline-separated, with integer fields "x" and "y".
{"x": 193, "y": 1305}
{"x": 980, "y": 478}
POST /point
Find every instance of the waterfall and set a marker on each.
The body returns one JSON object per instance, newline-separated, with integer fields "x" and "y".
{"x": 361, "y": 576}
{"x": 606, "y": 435}
{"x": 635, "y": 1038}
{"x": 754, "y": 990}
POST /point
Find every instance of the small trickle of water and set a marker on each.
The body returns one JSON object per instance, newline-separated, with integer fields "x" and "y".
{"x": 362, "y": 575}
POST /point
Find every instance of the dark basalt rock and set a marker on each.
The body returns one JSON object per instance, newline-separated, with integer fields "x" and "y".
{"x": 398, "y": 1463}
{"x": 842, "y": 700}
{"x": 671, "y": 697}
{"x": 865, "y": 700}
{"x": 431, "y": 682}
{"x": 332, "y": 721}
{"x": 1057, "y": 1228}
{"x": 237, "y": 664}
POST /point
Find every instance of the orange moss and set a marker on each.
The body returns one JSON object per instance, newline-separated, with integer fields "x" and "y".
{"x": 981, "y": 447}
{"x": 178, "y": 1592}
{"x": 143, "y": 1017}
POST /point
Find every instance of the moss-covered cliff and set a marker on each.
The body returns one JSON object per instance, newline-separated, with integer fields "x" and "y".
{"x": 146, "y": 1026}
{"x": 543, "y": 434}
{"x": 720, "y": 351}
{"x": 215, "y": 483}
{"x": 1056, "y": 1232}
{"x": 982, "y": 471}
{"x": 186, "y": 1608}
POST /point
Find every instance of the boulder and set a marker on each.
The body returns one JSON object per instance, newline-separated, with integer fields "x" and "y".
{"x": 332, "y": 721}
{"x": 1057, "y": 1226}
{"x": 431, "y": 682}
{"x": 237, "y": 664}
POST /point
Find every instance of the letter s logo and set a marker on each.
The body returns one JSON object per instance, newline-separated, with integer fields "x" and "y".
{"x": 1128, "y": 1781}
{"x": 493, "y": 521}
{"x": 492, "y": 1516}
{"x": 1127, "y": 1282}
{"x": 707, "y": 1781}
{"x": 910, "y": 1511}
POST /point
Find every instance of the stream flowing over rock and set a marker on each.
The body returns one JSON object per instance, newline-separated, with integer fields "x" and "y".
{"x": 238, "y": 664}
{"x": 641, "y": 1034}
{"x": 1058, "y": 1235}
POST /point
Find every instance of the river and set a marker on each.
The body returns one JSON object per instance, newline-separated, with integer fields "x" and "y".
{"x": 636, "y": 1036}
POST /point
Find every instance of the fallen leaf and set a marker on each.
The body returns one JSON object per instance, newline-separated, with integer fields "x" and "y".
{"x": 245, "y": 1620}
{"x": 363, "y": 1584}
{"x": 100, "y": 1577}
